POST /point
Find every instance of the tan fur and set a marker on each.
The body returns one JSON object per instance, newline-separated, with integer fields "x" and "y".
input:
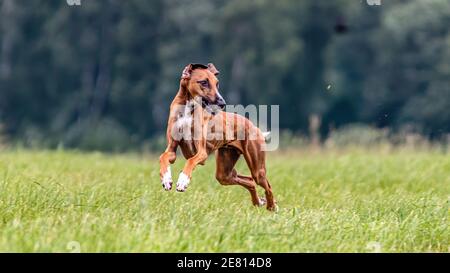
{"x": 227, "y": 150}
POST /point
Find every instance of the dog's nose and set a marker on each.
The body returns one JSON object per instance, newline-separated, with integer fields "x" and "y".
{"x": 220, "y": 101}
{"x": 221, "y": 104}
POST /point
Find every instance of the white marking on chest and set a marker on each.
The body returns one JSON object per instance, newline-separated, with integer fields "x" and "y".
{"x": 184, "y": 122}
{"x": 184, "y": 119}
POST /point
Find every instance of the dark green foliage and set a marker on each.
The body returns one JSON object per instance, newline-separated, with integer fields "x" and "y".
{"x": 101, "y": 75}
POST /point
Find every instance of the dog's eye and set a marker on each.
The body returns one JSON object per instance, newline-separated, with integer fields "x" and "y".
{"x": 204, "y": 83}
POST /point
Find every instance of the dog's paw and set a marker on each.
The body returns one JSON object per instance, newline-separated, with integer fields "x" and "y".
{"x": 183, "y": 182}
{"x": 262, "y": 201}
{"x": 273, "y": 208}
{"x": 167, "y": 180}
{"x": 276, "y": 209}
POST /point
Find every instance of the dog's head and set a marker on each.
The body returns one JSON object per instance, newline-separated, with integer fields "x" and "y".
{"x": 201, "y": 82}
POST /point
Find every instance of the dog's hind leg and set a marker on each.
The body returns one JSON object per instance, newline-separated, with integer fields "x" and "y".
{"x": 255, "y": 159}
{"x": 226, "y": 174}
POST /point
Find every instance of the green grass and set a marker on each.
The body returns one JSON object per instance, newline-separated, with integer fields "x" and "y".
{"x": 355, "y": 201}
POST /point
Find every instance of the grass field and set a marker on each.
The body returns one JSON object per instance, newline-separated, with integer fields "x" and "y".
{"x": 328, "y": 202}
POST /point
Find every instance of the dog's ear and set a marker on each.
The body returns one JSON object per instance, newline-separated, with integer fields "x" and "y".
{"x": 187, "y": 72}
{"x": 213, "y": 69}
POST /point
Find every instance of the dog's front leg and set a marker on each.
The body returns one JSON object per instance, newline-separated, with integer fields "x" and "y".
{"x": 168, "y": 157}
{"x": 191, "y": 163}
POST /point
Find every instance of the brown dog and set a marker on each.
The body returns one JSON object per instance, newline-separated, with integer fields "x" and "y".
{"x": 194, "y": 109}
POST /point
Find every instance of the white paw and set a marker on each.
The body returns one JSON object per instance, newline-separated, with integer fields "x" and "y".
{"x": 262, "y": 201}
{"x": 167, "y": 180}
{"x": 183, "y": 182}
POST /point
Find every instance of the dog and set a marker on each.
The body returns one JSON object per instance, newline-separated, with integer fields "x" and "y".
{"x": 196, "y": 106}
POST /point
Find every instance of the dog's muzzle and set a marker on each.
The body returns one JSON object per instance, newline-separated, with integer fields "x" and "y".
{"x": 220, "y": 102}
{"x": 215, "y": 106}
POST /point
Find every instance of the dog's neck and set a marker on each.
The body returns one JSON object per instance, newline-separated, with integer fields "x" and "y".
{"x": 183, "y": 95}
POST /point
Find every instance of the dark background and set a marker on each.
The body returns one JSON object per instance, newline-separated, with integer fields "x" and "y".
{"x": 102, "y": 75}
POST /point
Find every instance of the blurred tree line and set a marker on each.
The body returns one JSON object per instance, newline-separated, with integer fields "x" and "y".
{"x": 102, "y": 74}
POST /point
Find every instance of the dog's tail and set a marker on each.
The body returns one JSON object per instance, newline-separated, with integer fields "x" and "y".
{"x": 266, "y": 135}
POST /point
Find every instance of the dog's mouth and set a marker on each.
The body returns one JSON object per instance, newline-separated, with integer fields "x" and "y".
{"x": 211, "y": 107}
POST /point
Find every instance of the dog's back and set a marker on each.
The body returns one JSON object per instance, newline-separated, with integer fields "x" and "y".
{"x": 231, "y": 129}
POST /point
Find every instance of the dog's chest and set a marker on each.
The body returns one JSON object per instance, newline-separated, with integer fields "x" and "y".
{"x": 184, "y": 118}
{"x": 183, "y": 122}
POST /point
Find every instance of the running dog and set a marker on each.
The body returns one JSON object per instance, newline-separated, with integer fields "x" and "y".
{"x": 199, "y": 127}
